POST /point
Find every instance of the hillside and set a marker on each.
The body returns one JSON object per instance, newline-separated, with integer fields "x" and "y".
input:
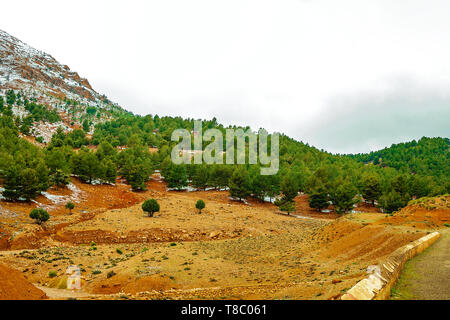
{"x": 74, "y": 131}
{"x": 88, "y": 166}
{"x": 14, "y": 286}
{"x": 428, "y": 156}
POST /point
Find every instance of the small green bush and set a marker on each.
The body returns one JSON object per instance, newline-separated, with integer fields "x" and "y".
{"x": 40, "y": 215}
{"x": 200, "y": 205}
{"x": 150, "y": 206}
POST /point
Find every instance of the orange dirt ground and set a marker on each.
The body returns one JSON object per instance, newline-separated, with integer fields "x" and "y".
{"x": 14, "y": 286}
{"x": 231, "y": 250}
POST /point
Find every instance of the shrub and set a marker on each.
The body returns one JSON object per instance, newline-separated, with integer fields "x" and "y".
{"x": 150, "y": 206}
{"x": 200, "y": 205}
{"x": 40, "y": 215}
{"x": 52, "y": 274}
{"x": 70, "y": 206}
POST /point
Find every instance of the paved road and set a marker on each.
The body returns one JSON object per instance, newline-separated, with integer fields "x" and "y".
{"x": 427, "y": 276}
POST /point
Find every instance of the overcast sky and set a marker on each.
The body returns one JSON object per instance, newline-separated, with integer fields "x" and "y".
{"x": 345, "y": 76}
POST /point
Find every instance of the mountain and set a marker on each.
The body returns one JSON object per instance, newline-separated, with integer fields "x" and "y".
{"x": 49, "y": 91}
{"x": 32, "y": 71}
{"x": 78, "y": 132}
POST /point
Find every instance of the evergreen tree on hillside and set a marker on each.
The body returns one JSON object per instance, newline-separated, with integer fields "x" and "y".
{"x": 177, "y": 177}
{"x": 343, "y": 196}
{"x": 259, "y": 185}
{"x": 200, "y": 177}
{"x": 371, "y": 189}
{"x": 220, "y": 175}
{"x": 59, "y": 178}
{"x": 400, "y": 184}
{"x": 239, "y": 184}
{"x": 109, "y": 170}
{"x": 136, "y": 173}
{"x": 392, "y": 201}
{"x": 86, "y": 165}
{"x": 12, "y": 183}
{"x": 289, "y": 187}
{"x": 10, "y": 97}
{"x": 318, "y": 198}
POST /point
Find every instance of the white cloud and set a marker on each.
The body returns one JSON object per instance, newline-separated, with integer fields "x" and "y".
{"x": 273, "y": 64}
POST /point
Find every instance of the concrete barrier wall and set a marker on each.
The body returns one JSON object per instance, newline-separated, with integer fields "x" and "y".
{"x": 377, "y": 286}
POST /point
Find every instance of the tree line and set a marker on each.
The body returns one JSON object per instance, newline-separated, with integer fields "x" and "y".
{"x": 339, "y": 180}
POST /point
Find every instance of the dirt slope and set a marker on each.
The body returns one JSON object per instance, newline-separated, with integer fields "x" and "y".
{"x": 14, "y": 286}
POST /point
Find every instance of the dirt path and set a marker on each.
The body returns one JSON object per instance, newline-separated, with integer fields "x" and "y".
{"x": 426, "y": 277}
{"x": 53, "y": 293}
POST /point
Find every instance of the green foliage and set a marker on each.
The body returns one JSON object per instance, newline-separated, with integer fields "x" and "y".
{"x": 10, "y": 97}
{"x": 287, "y": 206}
{"x": 200, "y": 205}
{"x": 392, "y": 201}
{"x": 69, "y": 205}
{"x": 201, "y": 177}
{"x": 150, "y": 206}
{"x": 371, "y": 189}
{"x": 39, "y": 215}
{"x": 318, "y": 198}
{"x": 86, "y": 125}
{"x": 343, "y": 196}
{"x": 88, "y": 167}
{"x": 40, "y": 112}
{"x": 289, "y": 187}
{"x": 176, "y": 177}
{"x": 59, "y": 178}
{"x": 239, "y": 184}
{"x": 428, "y": 157}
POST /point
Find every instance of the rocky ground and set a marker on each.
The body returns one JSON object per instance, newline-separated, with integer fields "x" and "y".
{"x": 231, "y": 250}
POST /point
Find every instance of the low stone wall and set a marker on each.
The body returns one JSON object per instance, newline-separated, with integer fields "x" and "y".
{"x": 377, "y": 286}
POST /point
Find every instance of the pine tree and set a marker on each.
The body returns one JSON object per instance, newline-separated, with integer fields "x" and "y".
{"x": 239, "y": 184}
{"x": 200, "y": 205}
{"x": 39, "y": 215}
{"x": 371, "y": 189}
{"x": 150, "y": 206}
{"x": 392, "y": 201}
{"x": 59, "y": 178}
{"x": 289, "y": 187}
{"x": 30, "y": 186}
{"x": 177, "y": 177}
{"x": 11, "y": 184}
{"x": 342, "y": 196}
{"x": 318, "y": 199}
{"x": 69, "y": 205}
{"x": 201, "y": 177}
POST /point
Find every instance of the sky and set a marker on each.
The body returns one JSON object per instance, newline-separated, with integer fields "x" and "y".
{"x": 344, "y": 76}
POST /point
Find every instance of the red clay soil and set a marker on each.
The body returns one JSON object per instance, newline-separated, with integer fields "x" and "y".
{"x": 302, "y": 208}
{"x": 14, "y": 286}
{"x": 92, "y": 199}
{"x": 431, "y": 214}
